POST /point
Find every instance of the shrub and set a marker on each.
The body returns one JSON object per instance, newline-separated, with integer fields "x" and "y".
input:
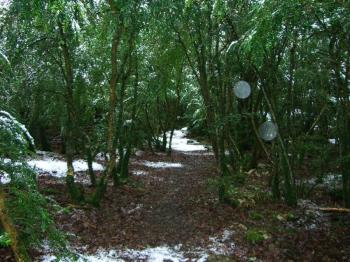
{"x": 27, "y": 213}
{"x": 255, "y": 236}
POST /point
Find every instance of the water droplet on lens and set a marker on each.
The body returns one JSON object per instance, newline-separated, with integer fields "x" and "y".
{"x": 268, "y": 131}
{"x": 242, "y": 89}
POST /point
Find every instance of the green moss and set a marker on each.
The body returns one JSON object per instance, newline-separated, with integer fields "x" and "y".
{"x": 50, "y": 191}
{"x": 291, "y": 217}
{"x": 66, "y": 210}
{"x": 255, "y": 236}
{"x": 256, "y": 215}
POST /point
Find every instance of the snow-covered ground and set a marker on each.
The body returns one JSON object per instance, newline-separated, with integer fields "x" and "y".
{"x": 51, "y": 164}
{"x": 47, "y": 163}
{"x": 210, "y": 153}
{"x": 329, "y": 181}
{"x": 157, "y": 254}
{"x": 218, "y": 245}
{"x": 161, "y": 164}
{"x": 308, "y": 216}
{"x": 221, "y": 245}
{"x": 139, "y": 173}
{"x": 183, "y": 144}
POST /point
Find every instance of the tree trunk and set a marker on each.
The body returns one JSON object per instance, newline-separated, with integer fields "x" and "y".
{"x": 90, "y": 168}
{"x": 111, "y": 131}
{"x": 111, "y": 118}
{"x": 69, "y": 129}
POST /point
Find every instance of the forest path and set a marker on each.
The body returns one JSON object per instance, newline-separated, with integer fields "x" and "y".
{"x": 169, "y": 211}
{"x": 167, "y": 203}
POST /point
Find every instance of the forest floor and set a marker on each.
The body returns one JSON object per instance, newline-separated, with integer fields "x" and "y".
{"x": 170, "y": 212}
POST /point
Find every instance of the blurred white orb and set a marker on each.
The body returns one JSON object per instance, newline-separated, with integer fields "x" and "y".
{"x": 242, "y": 89}
{"x": 268, "y": 131}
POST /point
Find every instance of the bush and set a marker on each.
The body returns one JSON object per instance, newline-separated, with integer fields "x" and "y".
{"x": 27, "y": 212}
{"x": 5, "y": 240}
{"x": 255, "y": 236}
{"x": 255, "y": 215}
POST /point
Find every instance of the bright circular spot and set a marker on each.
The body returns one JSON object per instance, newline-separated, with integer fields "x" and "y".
{"x": 242, "y": 89}
{"x": 268, "y": 131}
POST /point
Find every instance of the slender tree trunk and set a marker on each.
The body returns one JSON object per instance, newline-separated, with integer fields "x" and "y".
{"x": 111, "y": 130}
{"x": 343, "y": 109}
{"x": 111, "y": 118}
{"x": 90, "y": 167}
{"x": 69, "y": 129}
{"x": 209, "y": 109}
{"x": 170, "y": 140}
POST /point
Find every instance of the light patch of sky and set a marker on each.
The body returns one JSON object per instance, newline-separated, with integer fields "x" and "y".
{"x": 144, "y": 6}
{"x": 332, "y": 141}
{"x": 333, "y": 99}
{"x": 4, "y": 178}
{"x": 5, "y": 3}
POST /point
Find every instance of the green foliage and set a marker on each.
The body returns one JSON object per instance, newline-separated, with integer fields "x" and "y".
{"x": 291, "y": 217}
{"x": 5, "y": 240}
{"x": 256, "y": 236}
{"x": 28, "y": 209}
{"x": 13, "y": 134}
{"x": 256, "y": 215}
{"x": 177, "y": 63}
{"x": 282, "y": 217}
{"x": 237, "y": 191}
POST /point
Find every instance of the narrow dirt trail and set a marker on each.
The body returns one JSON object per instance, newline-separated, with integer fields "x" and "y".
{"x": 161, "y": 206}
{"x": 166, "y": 206}
{"x": 177, "y": 199}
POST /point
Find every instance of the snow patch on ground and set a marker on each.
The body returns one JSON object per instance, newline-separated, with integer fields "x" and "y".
{"x": 221, "y": 245}
{"x": 181, "y": 143}
{"x": 162, "y": 164}
{"x": 156, "y": 254}
{"x": 218, "y": 245}
{"x": 139, "y": 153}
{"x": 199, "y": 153}
{"x": 329, "y": 181}
{"x": 308, "y": 216}
{"x": 46, "y": 163}
{"x": 139, "y": 173}
{"x": 101, "y": 157}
